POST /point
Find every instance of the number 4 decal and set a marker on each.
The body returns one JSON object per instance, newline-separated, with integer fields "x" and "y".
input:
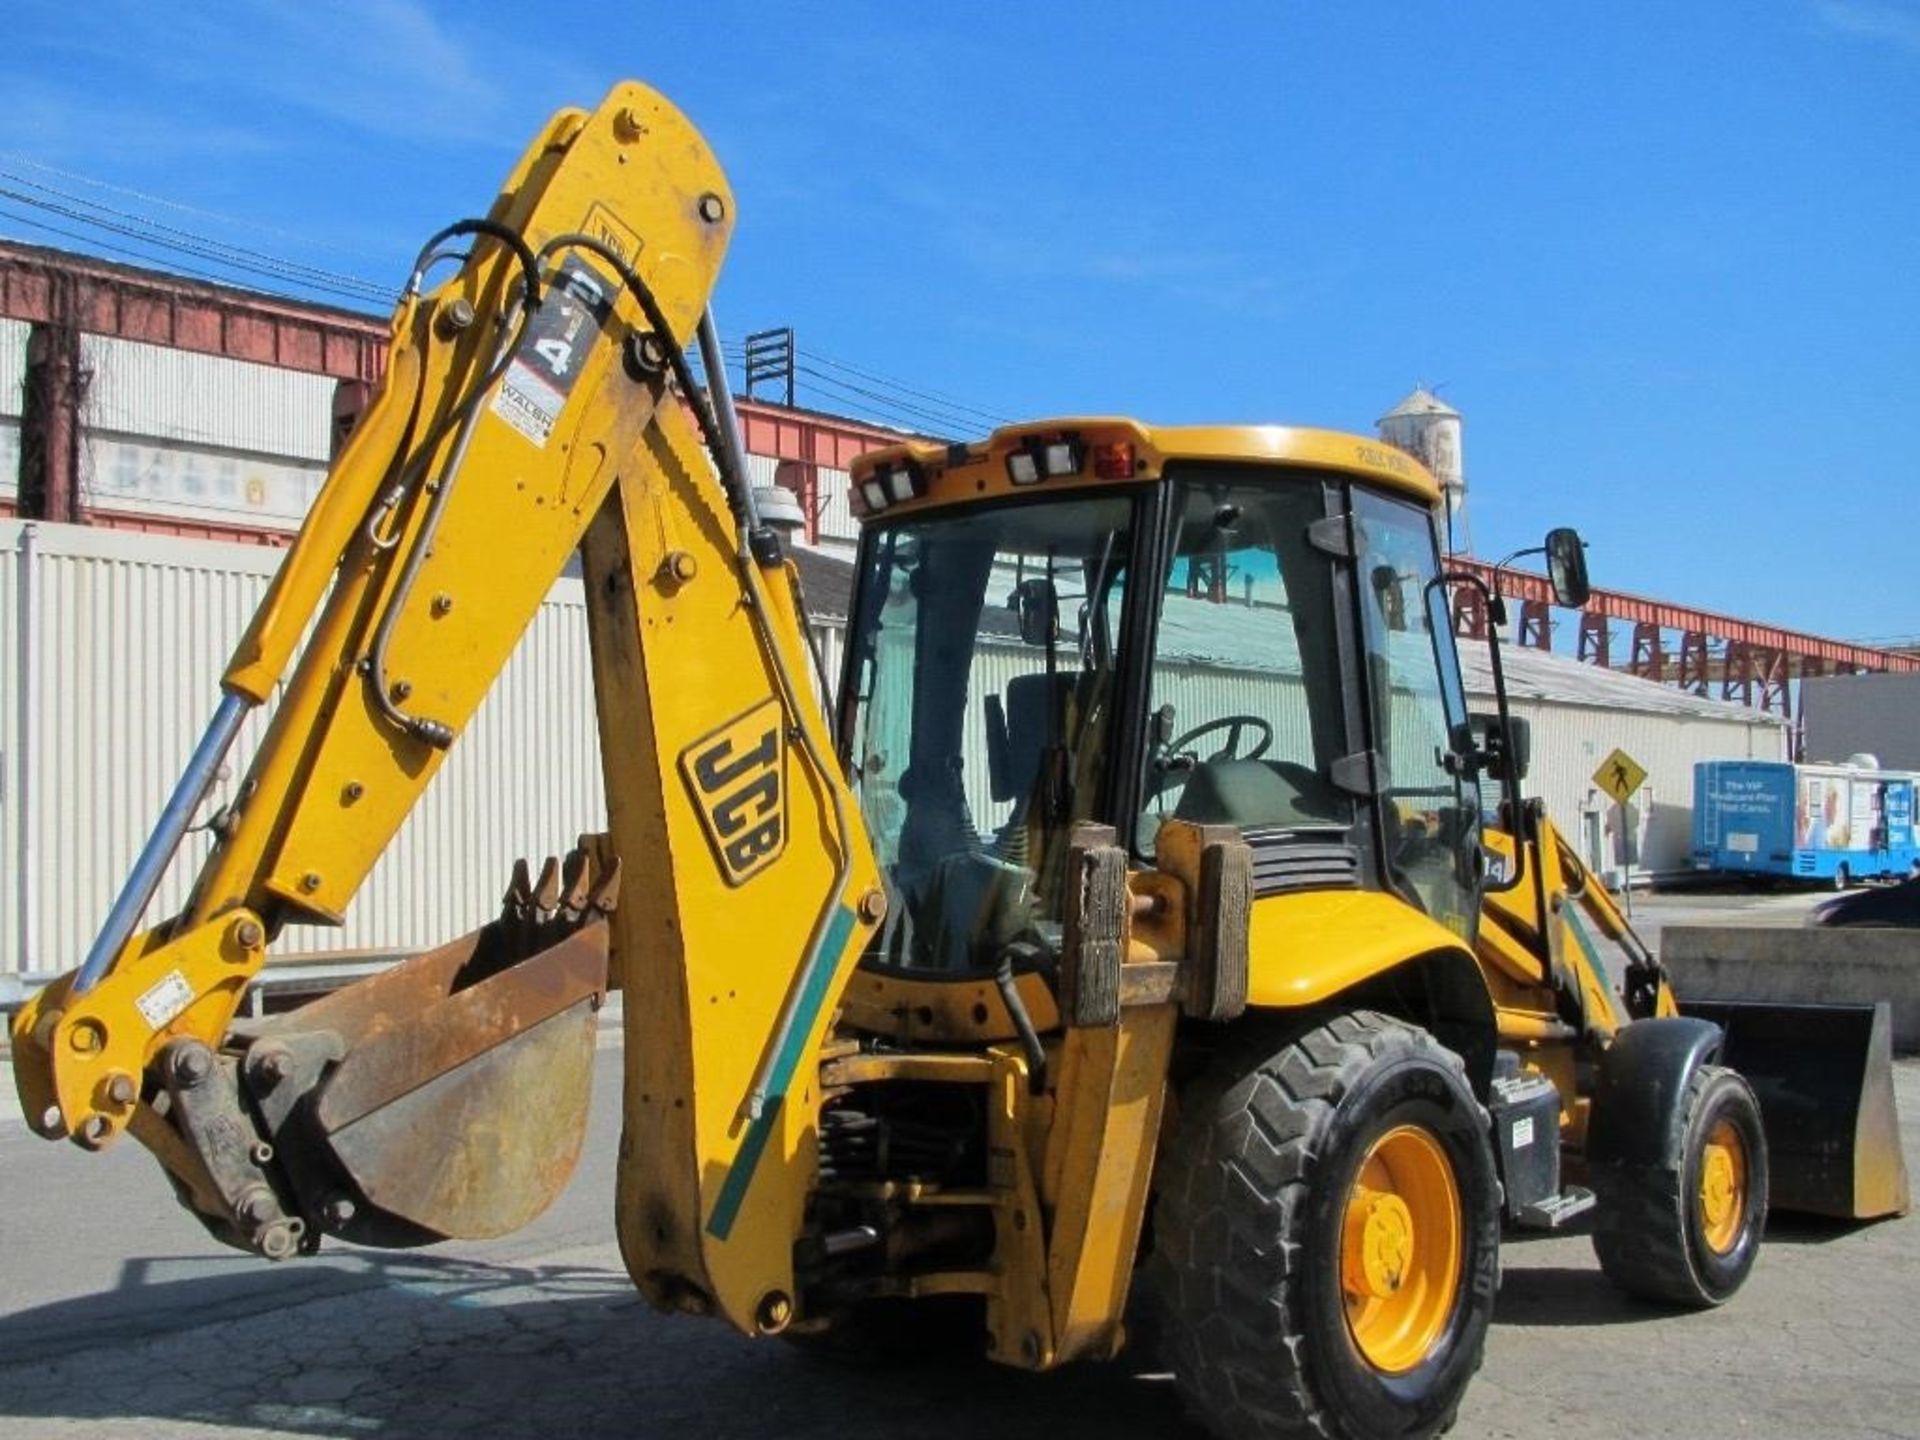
{"x": 557, "y": 353}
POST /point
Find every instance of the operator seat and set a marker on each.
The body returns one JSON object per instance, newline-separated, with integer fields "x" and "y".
{"x": 1260, "y": 792}
{"x": 1031, "y": 718}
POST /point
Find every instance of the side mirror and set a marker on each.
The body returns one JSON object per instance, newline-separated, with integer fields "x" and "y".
{"x": 1493, "y": 741}
{"x": 1037, "y": 604}
{"x": 1567, "y": 567}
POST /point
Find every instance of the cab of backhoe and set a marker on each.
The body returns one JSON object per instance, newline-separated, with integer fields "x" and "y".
{"x": 1094, "y": 620}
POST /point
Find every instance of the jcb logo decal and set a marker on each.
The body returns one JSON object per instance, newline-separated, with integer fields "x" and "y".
{"x": 738, "y": 779}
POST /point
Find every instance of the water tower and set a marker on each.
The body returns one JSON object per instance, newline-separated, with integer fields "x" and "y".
{"x": 1428, "y": 428}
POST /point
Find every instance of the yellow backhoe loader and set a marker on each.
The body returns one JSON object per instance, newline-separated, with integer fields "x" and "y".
{"x": 1134, "y": 915}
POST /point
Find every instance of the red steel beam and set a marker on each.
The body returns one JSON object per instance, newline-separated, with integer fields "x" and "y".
{"x": 159, "y": 309}
{"x": 1637, "y": 610}
{"x": 131, "y": 303}
{"x": 827, "y": 441}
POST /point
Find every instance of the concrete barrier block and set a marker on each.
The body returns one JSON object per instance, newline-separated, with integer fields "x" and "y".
{"x": 1800, "y": 966}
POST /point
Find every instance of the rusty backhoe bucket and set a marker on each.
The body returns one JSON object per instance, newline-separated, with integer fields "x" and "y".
{"x": 1824, "y": 1078}
{"x": 446, "y": 1097}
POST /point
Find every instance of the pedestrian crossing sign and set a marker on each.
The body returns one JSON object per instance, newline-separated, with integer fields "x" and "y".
{"x": 1620, "y": 775}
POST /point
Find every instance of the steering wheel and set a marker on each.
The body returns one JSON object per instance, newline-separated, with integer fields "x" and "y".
{"x": 1234, "y": 725}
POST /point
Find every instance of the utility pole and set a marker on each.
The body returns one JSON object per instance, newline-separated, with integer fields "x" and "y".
{"x": 770, "y": 358}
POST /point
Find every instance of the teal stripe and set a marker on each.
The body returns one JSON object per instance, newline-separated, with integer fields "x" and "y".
{"x": 820, "y": 971}
{"x": 1572, "y": 917}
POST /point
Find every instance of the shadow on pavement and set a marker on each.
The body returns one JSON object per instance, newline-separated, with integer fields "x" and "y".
{"x": 428, "y": 1346}
{"x": 1565, "y": 1295}
{"x": 1783, "y": 1229}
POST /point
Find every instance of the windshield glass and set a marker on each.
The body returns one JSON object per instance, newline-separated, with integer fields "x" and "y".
{"x": 982, "y": 695}
{"x": 1246, "y": 678}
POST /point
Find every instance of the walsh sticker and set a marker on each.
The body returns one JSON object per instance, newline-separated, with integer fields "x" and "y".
{"x": 559, "y": 338}
{"x": 738, "y": 778}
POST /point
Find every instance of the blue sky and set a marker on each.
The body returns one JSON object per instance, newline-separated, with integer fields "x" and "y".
{"x": 1666, "y": 258}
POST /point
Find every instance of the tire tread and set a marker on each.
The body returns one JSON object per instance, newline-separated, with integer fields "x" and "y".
{"x": 1641, "y": 1223}
{"x": 1228, "y": 1313}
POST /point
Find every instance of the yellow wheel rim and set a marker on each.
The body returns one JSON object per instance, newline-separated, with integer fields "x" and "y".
{"x": 1723, "y": 1187}
{"x": 1400, "y": 1249}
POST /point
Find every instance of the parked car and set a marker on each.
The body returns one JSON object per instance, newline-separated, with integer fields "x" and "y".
{"x": 1880, "y": 906}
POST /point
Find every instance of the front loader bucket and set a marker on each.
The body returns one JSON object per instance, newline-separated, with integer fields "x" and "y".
{"x": 1824, "y": 1078}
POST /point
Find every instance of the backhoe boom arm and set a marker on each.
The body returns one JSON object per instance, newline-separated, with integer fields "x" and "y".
{"x": 537, "y": 403}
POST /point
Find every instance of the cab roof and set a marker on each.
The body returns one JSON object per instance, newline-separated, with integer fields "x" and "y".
{"x": 1105, "y": 444}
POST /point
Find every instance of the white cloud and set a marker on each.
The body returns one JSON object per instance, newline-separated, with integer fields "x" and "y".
{"x": 1895, "y": 24}
{"x": 388, "y": 67}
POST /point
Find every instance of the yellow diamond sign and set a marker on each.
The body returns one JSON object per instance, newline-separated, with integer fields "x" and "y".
{"x": 1620, "y": 775}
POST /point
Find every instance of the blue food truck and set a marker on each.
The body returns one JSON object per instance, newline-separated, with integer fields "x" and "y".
{"x": 1831, "y": 823}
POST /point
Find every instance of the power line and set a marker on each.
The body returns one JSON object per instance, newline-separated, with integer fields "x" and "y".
{"x": 894, "y": 403}
{"x": 943, "y": 403}
{"x": 153, "y": 233}
{"x": 202, "y": 253}
{"x": 332, "y": 277}
{"x": 174, "y": 265}
{"x": 946, "y": 401}
{"x": 919, "y": 414}
{"x": 17, "y": 158}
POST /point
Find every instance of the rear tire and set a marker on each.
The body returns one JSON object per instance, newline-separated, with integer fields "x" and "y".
{"x": 1842, "y": 876}
{"x": 1687, "y": 1234}
{"x": 1292, "y": 1299}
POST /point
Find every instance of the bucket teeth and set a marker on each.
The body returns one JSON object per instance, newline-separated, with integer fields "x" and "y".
{"x": 538, "y": 912}
{"x": 606, "y": 891}
{"x": 576, "y": 878}
{"x": 519, "y": 889}
{"x": 546, "y": 891}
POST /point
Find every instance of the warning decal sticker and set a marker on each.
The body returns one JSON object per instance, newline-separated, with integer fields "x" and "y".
{"x": 554, "y": 348}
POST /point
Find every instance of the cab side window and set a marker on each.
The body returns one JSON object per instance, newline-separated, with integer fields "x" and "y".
{"x": 1245, "y": 688}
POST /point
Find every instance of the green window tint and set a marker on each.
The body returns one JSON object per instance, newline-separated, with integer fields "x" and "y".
{"x": 1246, "y": 674}
{"x": 983, "y": 695}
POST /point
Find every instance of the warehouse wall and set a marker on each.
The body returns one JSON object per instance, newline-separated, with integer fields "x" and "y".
{"x": 1570, "y": 741}
{"x": 201, "y": 437}
{"x": 187, "y": 436}
{"x": 111, "y": 647}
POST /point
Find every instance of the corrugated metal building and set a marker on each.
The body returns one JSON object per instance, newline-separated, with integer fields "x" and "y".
{"x": 111, "y": 645}
{"x": 111, "y": 648}
{"x": 1580, "y": 713}
{"x": 192, "y": 437}
{"x": 201, "y": 437}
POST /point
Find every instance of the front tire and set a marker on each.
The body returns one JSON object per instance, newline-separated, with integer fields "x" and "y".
{"x": 1327, "y": 1237}
{"x": 1687, "y": 1233}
